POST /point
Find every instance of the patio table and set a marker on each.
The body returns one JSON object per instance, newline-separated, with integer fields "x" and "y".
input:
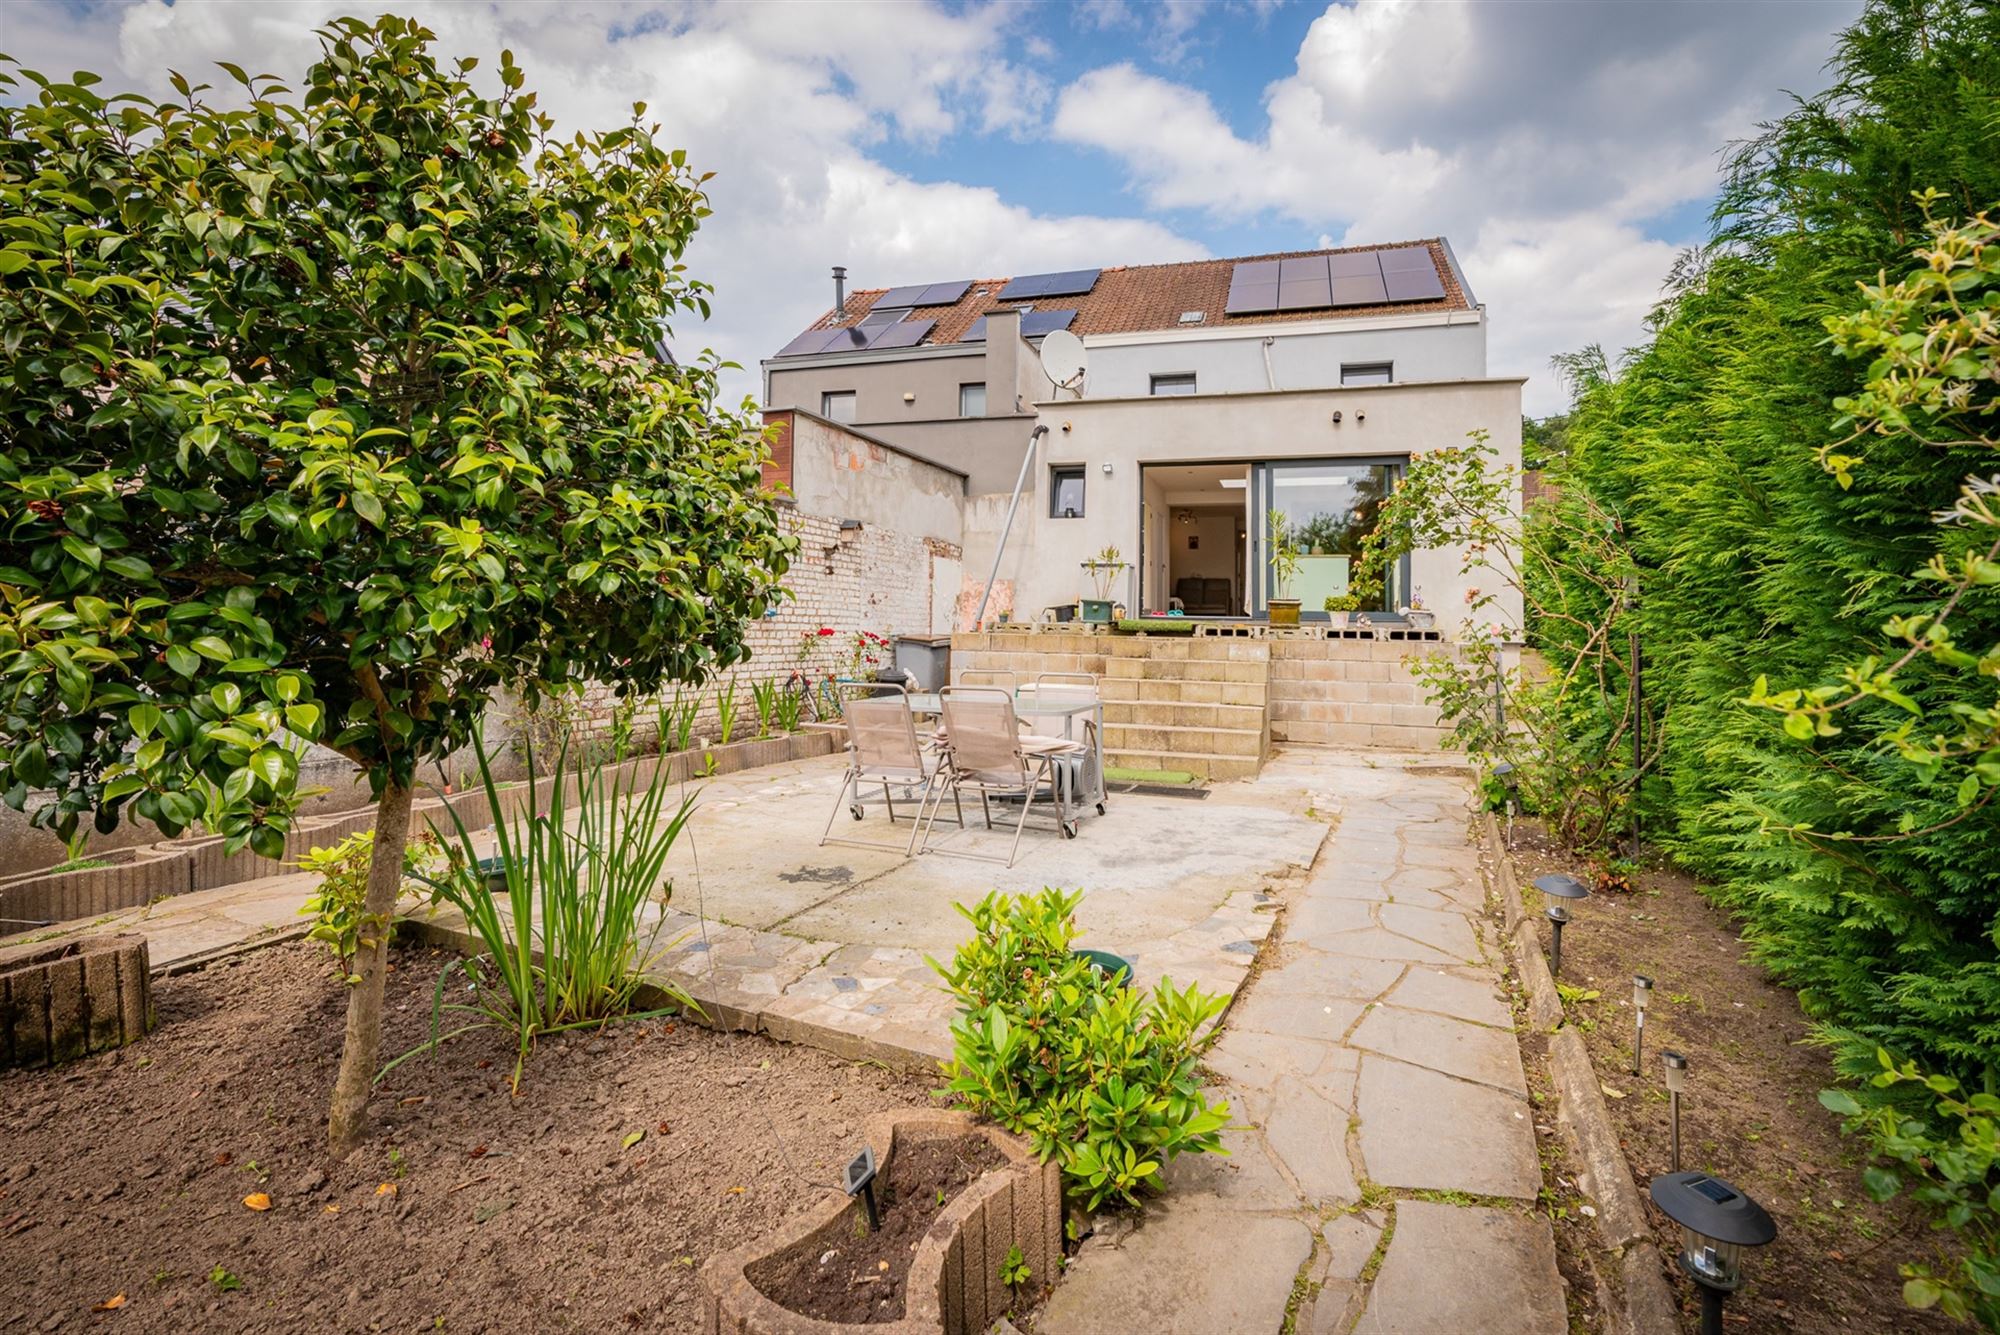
{"x": 1085, "y": 780}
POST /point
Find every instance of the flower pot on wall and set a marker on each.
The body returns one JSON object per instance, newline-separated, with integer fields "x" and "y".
{"x": 1284, "y": 611}
{"x": 1420, "y": 619}
{"x": 1337, "y": 620}
{"x": 1096, "y": 611}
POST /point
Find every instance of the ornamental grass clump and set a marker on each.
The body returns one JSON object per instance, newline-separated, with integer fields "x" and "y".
{"x": 1098, "y": 1075}
{"x": 567, "y": 943}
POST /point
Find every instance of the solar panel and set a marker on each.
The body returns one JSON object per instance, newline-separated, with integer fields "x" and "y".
{"x": 943, "y": 294}
{"x": 1253, "y": 288}
{"x": 1414, "y": 285}
{"x": 1069, "y": 283}
{"x": 1354, "y": 264}
{"x": 1037, "y": 323}
{"x": 976, "y": 333}
{"x": 904, "y": 335}
{"x": 1405, "y": 258}
{"x": 884, "y": 314}
{"x": 903, "y": 296}
{"x": 1302, "y": 284}
{"x": 852, "y": 340}
{"x": 813, "y": 340}
{"x": 1359, "y": 290}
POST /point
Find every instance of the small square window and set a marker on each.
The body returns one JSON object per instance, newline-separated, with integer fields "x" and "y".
{"x": 1366, "y": 373}
{"x": 1066, "y": 493}
{"x": 972, "y": 400}
{"x": 837, "y": 405}
{"x": 1179, "y": 383}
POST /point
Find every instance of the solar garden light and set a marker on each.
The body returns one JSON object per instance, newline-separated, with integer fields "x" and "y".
{"x": 1717, "y": 1222}
{"x": 1557, "y": 888}
{"x": 860, "y": 1177}
{"x": 1504, "y": 773}
{"x": 1677, "y": 1078}
{"x": 1642, "y": 997}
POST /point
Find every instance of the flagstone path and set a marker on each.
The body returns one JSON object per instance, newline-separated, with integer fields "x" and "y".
{"x": 1383, "y": 1166}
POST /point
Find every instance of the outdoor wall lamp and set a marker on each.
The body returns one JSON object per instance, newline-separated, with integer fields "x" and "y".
{"x": 1504, "y": 774}
{"x": 1717, "y": 1222}
{"x": 1107, "y": 469}
{"x": 1336, "y": 417}
{"x": 850, "y": 529}
{"x": 1642, "y": 997}
{"x": 1359, "y": 416}
{"x": 1557, "y": 889}
{"x": 1677, "y": 1078}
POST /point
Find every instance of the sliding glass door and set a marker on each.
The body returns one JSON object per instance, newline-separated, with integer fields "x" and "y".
{"x": 1329, "y": 505}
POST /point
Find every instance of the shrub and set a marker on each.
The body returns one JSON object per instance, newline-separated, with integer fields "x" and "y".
{"x": 1098, "y": 1075}
{"x": 339, "y": 906}
{"x": 570, "y": 949}
{"x": 1951, "y": 1160}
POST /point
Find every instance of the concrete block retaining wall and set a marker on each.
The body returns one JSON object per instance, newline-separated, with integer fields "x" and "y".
{"x": 62, "y": 1000}
{"x": 954, "y": 1280}
{"x": 176, "y": 866}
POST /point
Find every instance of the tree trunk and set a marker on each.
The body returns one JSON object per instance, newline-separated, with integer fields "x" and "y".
{"x": 359, "y": 1055}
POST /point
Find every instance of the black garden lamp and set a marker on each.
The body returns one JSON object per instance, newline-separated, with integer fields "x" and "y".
{"x": 1558, "y": 890}
{"x": 1717, "y": 1222}
{"x": 1642, "y": 997}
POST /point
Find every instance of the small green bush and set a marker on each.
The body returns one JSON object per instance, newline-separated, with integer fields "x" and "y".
{"x": 1098, "y": 1075}
{"x": 1156, "y": 625}
{"x": 1950, "y": 1159}
{"x": 338, "y": 906}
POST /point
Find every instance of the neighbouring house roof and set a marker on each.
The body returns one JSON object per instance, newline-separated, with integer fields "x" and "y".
{"x": 1147, "y": 297}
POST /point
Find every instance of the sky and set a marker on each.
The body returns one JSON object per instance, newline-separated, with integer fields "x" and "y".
{"x": 1569, "y": 149}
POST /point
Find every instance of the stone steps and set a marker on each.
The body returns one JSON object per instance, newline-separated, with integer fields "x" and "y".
{"x": 1191, "y": 741}
{"x": 1401, "y": 737}
{"x": 1215, "y": 767}
{"x": 1183, "y": 713}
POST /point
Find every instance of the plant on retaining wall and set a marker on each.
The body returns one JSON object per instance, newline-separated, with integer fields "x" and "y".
{"x": 408, "y": 490}
{"x": 765, "y": 695}
{"x": 725, "y": 711}
{"x": 1098, "y": 1075}
{"x": 338, "y": 907}
{"x": 677, "y": 721}
{"x": 570, "y": 951}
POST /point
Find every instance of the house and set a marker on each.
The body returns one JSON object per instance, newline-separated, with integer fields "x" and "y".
{"x": 1216, "y": 391}
{"x": 1207, "y": 396}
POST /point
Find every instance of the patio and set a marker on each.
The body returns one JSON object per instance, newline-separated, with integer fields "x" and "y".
{"x": 827, "y": 944}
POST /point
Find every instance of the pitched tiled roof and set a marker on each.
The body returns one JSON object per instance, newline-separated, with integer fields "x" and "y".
{"x": 1146, "y": 297}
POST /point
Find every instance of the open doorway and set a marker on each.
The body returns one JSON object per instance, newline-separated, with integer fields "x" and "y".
{"x": 1197, "y": 538}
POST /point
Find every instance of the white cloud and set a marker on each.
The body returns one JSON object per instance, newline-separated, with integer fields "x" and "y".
{"x": 782, "y": 102}
{"x": 1540, "y": 138}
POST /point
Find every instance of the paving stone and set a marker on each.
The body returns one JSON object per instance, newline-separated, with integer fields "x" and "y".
{"x": 1376, "y": 943}
{"x": 1461, "y": 994}
{"x": 1346, "y": 1244}
{"x": 1453, "y": 1268}
{"x": 1440, "y": 1043}
{"x": 1299, "y": 1016}
{"x": 1242, "y": 1179}
{"x": 1313, "y": 972}
{"x": 1258, "y": 1060}
{"x": 1191, "y": 1267}
{"x": 1422, "y": 1129}
{"x": 1307, "y": 1130}
{"x": 1447, "y": 933}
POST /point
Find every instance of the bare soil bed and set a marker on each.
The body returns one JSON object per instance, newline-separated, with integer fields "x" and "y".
{"x": 861, "y": 1279}
{"x": 1751, "y": 1115}
{"x": 123, "y": 1177}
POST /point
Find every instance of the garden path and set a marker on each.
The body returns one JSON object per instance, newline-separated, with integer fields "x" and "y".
{"x": 1383, "y": 1166}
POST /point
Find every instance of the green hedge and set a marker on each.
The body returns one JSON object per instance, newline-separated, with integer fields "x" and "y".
{"x": 1156, "y": 626}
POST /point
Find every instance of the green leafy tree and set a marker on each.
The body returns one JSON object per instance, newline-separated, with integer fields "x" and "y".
{"x": 329, "y": 415}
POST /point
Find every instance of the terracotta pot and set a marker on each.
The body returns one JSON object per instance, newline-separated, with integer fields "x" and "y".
{"x": 1284, "y": 611}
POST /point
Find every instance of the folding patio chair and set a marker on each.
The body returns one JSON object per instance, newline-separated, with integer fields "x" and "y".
{"x": 986, "y": 751}
{"x": 998, "y": 679}
{"x": 1072, "y": 688}
{"x": 882, "y": 748}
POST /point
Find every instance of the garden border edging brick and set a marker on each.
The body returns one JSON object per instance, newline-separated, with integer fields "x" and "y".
{"x": 1645, "y": 1301}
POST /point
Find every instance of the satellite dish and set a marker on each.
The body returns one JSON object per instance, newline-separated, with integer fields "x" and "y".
{"x": 1063, "y": 359}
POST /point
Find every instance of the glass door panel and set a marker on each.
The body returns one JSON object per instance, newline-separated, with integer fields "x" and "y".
{"x": 1329, "y": 506}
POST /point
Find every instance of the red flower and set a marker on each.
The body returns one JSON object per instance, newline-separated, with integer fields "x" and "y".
{"x": 827, "y": 630}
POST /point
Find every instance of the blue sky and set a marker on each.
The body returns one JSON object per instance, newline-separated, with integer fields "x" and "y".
{"x": 1568, "y": 150}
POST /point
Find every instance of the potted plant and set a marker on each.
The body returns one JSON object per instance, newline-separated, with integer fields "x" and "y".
{"x": 1340, "y": 606}
{"x": 1104, "y": 569}
{"x": 1419, "y": 616}
{"x": 1285, "y": 554}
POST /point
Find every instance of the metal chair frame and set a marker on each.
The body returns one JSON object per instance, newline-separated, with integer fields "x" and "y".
{"x": 908, "y": 772}
{"x": 1020, "y": 772}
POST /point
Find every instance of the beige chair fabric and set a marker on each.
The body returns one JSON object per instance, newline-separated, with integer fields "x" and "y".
{"x": 986, "y": 751}
{"x": 883, "y": 749}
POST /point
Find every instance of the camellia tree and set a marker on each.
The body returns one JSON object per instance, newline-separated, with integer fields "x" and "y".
{"x": 326, "y": 417}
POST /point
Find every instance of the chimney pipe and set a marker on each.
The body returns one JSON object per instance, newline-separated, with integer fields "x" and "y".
{"x": 840, "y": 289}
